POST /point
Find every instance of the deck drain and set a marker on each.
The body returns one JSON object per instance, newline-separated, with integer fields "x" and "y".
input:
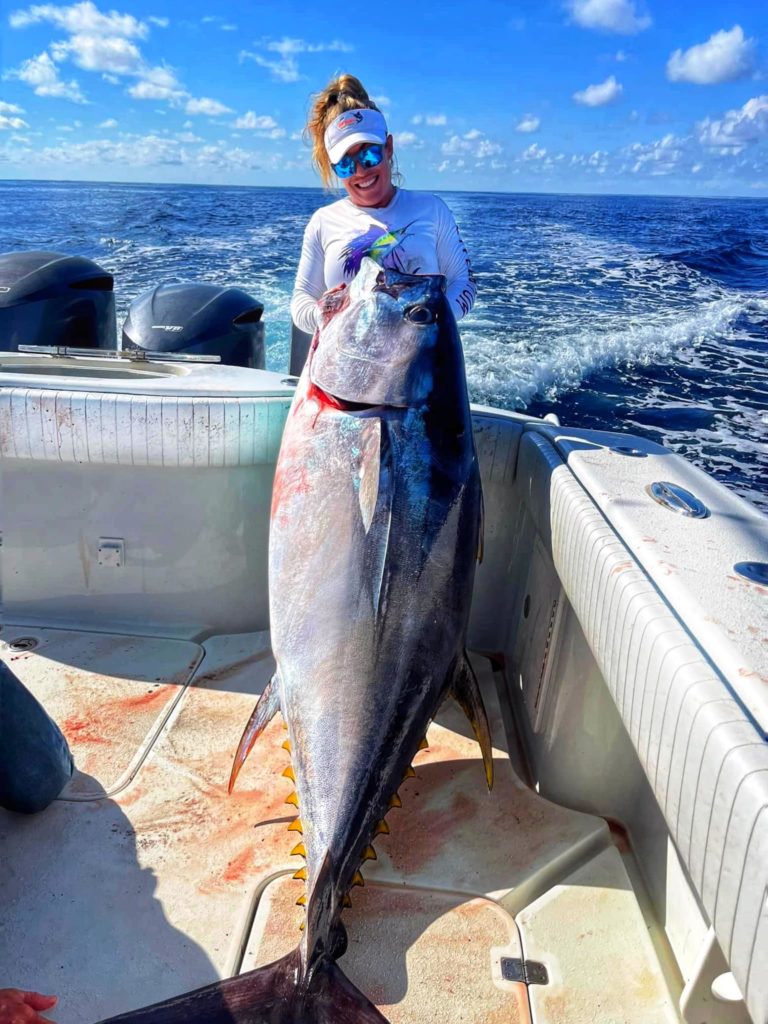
{"x": 24, "y": 643}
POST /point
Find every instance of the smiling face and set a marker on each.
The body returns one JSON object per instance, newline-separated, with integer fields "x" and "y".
{"x": 371, "y": 187}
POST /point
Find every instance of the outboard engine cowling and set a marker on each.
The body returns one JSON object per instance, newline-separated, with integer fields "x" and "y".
{"x": 198, "y": 319}
{"x": 47, "y": 298}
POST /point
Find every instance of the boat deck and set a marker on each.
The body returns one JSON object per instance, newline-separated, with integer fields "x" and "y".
{"x": 145, "y": 879}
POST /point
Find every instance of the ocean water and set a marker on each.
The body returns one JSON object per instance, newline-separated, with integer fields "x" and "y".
{"x": 628, "y": 313}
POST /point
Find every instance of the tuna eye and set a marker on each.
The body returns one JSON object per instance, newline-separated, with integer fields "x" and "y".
{"x": 420, "y": 315}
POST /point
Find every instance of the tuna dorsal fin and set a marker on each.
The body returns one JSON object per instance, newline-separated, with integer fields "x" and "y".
{"x": 466, "y": 692}
{"x": 266, "y": 706}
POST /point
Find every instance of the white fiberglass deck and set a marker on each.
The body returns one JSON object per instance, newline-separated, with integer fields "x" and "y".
{"x": 146, "y": 879}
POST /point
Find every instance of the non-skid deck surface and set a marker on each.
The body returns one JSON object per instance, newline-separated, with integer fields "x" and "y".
{"x": 113, "y": 903}
{"x": 108, "y": 693}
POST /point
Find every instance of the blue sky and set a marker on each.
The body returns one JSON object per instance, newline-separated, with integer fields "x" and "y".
{"x": 570, "y": 96}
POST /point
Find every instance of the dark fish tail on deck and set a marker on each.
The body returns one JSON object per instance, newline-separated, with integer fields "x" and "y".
{"x": 275, "y": 994}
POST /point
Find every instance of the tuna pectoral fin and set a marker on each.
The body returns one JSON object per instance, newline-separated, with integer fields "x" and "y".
{"x": 466, "y": 692}
{"x": 275, "y": 994}
{"x": 266, "y": 706}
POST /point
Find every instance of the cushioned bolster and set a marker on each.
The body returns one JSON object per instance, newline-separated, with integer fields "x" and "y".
{"x": 707, "y": 763}
{"x": 138, "y": 430}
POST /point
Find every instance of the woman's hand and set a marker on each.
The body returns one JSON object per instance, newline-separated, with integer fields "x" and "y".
{"x": 17, "y": 1007}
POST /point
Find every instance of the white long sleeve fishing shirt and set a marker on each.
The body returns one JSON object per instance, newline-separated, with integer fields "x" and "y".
{"x": 415, "y": 233}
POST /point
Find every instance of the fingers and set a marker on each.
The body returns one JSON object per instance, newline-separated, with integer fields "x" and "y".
{"x": 20, "y": 1007}
{"x": 38, "y": 1001}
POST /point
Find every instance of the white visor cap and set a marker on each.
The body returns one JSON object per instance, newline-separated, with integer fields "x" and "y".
{"x": 351, "y": 128}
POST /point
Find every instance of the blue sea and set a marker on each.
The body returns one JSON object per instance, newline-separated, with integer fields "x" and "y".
{"x": 630, "y": 313}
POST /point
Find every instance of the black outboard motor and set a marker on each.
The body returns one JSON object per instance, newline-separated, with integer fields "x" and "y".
{"x": 300, "y": 342}
{"x": 47, "y": 298}
{"x": 198, "y": 319}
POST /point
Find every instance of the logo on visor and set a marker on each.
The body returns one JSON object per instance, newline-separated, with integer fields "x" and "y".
{"x": 346, "y": 120}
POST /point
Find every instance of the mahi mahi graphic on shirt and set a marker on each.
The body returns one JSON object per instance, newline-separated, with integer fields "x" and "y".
{"x": 379, "y": 247}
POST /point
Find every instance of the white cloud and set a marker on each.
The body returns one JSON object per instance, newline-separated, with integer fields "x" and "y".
{"x": 219, "y": 22}
{"x": 286, "y": 68}
{"x": 11, "y": 123}
{"x": 205, "y": 105}
{"x": 528, "y": 123}
{"x": 737, "y": 128}
{"x": 109, "y": 123}
{"x": 534, "y": 152}
{"x": 10, "y": 108}
{"x": 160, "y": 22}
{"x": 620, "y": 56}
{"x": 725, "y": 57}
{"x": 618, "y": 16}
{"x": 382, "y": 102}
{"x": 152, "y": 150}
{"x": 99, "y": 43}
{"x": 660, "y": 158}
{"x": 148, "y": 90}
{"x": 434, "y": 120}
{"x": 188, "y": 137}
{"x": 258, "y": 122}
{"x": 113, "y": 54}
{"x": 407, "y": 139}
{"x": 84, "y": 17}
{"x": 598, "y": 95}
{"x": 487, "y": 148}
{"x": 41, "y": 74}
{"x": 455, "y": 144}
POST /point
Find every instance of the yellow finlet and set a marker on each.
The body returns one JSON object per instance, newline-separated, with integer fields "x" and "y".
{"x": 409, "y": 772}
{"x": 395, "y": 801}
{"x": 369, "y": 854}
{"x": 293, "y": 799}
{"x": 382, "y": 829}
{"x": 286, "y": 745}
{"x": 288, "y": 773}
{"x": 285, "y": 726}
{"x": 302, "y": 926}
{"x": 299, "y": 850}
{"x": 424, "y": 745}
{"x": 302, "y": 900}
{"x": 346, "y": 901}
{"x": 301, "y": 874}
{"x": 357, "y": 879}
{"x": 296, "y": 826}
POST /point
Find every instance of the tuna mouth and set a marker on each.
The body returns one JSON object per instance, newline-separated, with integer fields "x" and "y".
{"x": 342, "y": 404}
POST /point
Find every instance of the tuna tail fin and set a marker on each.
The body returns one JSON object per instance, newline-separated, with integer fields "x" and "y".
{"x": 465, "y": 690}
{"x": 266, "y": 706}
{"x": 275, "y": 994}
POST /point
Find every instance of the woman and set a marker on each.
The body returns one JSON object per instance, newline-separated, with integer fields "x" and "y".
{"x": 410, "y": 231}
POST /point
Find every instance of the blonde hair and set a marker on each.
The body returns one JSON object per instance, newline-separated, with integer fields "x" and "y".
{"x": 344, "y": 93}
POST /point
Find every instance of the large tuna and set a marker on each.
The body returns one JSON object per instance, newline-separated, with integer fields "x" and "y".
{"x": 374, "y": 537}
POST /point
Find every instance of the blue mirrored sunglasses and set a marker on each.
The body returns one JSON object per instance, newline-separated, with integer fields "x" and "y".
{"x": 369, "y": 156}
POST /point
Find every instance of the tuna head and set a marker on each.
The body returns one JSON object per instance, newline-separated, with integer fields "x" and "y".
{"x": 382, "y": 338}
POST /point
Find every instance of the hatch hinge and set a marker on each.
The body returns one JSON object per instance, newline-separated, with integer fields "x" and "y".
{"x": 530, "y": 972}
